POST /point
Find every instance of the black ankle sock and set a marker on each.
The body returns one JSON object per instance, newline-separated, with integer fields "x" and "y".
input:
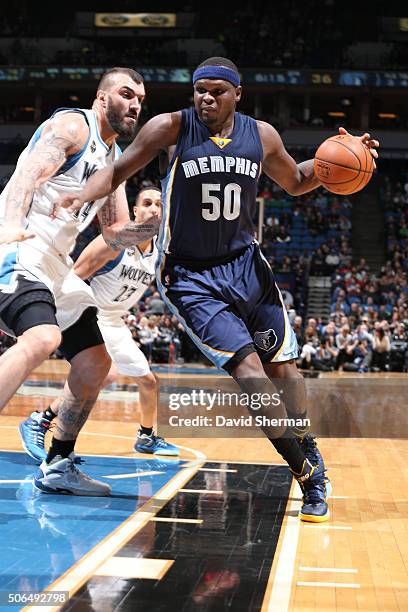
{"x": 60, "y": 447}
{"x": 146, "y": 430}
{"x": 290, "y": 450}
{"x": 299, "y": 430}
{"x": 49, "y": 414}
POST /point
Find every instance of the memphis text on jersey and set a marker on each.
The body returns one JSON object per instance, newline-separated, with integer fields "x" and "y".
{"x": 216, "y": 163}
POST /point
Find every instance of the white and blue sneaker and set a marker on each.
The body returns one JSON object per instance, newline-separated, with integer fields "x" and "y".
{"x": 32, "y": 432}
{"x": 154, "y": 445}
{"x": 61, "y": 475}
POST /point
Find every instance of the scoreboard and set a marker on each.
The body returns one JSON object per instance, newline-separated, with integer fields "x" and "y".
{"x": 322, "y": 78}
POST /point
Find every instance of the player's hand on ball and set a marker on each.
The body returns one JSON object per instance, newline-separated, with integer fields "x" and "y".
{"x": 371, "y": 144}
{"x": 70, "y": 201}
{"x": 14, "y": 234}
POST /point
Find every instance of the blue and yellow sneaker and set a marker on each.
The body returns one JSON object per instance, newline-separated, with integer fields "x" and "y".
{"x": 316, "y": 489}
{"x": 154, "y": 445}
{"x": 32, "y": 432}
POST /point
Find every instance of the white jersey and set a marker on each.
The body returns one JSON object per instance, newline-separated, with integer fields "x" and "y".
{"x": 44, "y": 260}
{"x": 120, "y": 284}
{"x": 59, "y": 235}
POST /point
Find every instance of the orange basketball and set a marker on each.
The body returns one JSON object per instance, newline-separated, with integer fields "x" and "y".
{"x": 343, "y": 164}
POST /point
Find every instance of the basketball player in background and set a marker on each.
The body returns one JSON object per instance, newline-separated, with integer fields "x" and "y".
{"x": 211, "y": 272}
{"x": 118, "y": 280}
{"x": 40, "y": 296}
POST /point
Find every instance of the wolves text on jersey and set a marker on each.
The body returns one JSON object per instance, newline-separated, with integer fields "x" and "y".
{"x": 136, "y": 274}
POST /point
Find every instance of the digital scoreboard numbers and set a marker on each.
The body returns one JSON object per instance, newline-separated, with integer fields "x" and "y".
{"x": 302, "y": 78}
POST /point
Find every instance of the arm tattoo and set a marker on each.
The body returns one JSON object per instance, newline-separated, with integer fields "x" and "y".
{"x": 48, "y": 155}
{"x": 124, "y": 235}
{"x": 108, "y": 212}
{"x": 131, "y": 233}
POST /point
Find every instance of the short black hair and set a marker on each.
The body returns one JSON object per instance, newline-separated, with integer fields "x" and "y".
{"x": 146, "y": 188}
{"x": 219, "y": 61}
{"x": 105, "y": 79}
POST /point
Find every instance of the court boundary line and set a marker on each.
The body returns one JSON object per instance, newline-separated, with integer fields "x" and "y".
{"x": 280, "y": 582}
{"x": 136, "y": 456}
{"x": 192, "y": 467}
{"x": 126, "y": 530}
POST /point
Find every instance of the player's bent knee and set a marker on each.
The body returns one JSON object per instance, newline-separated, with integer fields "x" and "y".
{"x": 148, "y": 382}
{"x": 110, "y": 379}
{"x": 283, "y": 369}
{"x": 90, "y": 368}
{"x": 41, "y": 340}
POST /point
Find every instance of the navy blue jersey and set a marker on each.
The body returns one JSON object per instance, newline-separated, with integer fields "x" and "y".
{"x": 210, "y": 190}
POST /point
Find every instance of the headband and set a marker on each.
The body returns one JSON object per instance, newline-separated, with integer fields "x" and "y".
{"x": 217, "y": 72}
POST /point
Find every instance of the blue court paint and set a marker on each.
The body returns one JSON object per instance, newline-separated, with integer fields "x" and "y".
{"x": 43, "y": 535}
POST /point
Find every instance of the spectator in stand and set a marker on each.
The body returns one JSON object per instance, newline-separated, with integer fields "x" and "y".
{"x": 155, "y": 305}
{"x": 329, "y": 332}
{"x": 266, "y": 193}
{"x": 354, "y": 314}
{"x": 372, "y": 314}
{"x": 311, "y": 335}
{"x": 384, "y": 313}
{"x": 145, "y": 335}
{"x": 286, "y": 265}
{"x": 364, "y": 334}
{"x": 381, "y": 350}
{"x": 345, "y": 345}
{"x": 167, "y": 342}
{"x": 318, "y": 263}
{"x": 325, "y": 356}
{"x": 282, "y": 235}
{"x": 298, "y": 329}
{"x": 362, "y": 357}
{"x": 307, "y": 354}
{"x": 272, "y": 221}
{"x": 332, "y": 260}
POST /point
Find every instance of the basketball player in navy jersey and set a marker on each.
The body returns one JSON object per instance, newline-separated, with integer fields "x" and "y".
{"x": 211, "y": 271}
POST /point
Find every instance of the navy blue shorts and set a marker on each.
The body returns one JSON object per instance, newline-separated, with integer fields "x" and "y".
{"x": 229, "y": 306}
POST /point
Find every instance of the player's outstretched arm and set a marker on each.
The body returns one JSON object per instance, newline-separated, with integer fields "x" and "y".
{"x": 157, "y": 134}
{"x": 118, "y": 231}
{"x": 61, "y": 137}
{"x": 294, "y": 178}
{"x": 93, "y": 258}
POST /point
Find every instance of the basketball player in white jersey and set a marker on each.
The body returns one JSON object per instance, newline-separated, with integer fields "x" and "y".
{"x": 118, "y": 280}
{"x": 41, "y": 299}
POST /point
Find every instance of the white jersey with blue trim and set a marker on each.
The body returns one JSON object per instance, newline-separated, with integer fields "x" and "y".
{"x": 120, "y": 284}
{"x": 59, "y": 235}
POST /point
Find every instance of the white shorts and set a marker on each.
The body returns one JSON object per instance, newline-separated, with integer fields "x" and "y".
{"x": 38, "y": 265}
{"x": 123, "y": 350}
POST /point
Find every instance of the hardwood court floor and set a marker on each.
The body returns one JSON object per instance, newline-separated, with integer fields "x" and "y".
{"x": 356, "y": 561}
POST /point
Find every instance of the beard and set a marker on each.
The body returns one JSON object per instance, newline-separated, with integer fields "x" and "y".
{"x": 118, "y": 124}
